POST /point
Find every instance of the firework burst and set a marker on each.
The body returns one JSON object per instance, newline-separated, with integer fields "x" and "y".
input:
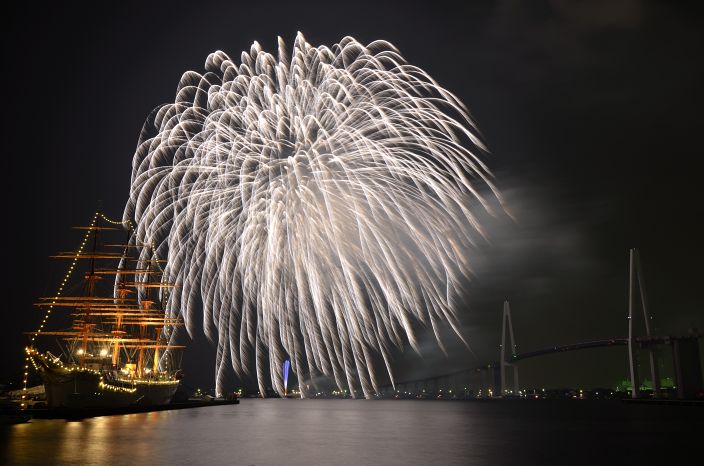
{"x": 315, "y": 205}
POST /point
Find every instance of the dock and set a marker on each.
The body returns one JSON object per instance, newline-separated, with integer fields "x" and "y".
{"x": 84, "y": 413}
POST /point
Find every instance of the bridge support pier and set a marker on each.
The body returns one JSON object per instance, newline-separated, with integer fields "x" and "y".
{"x": 635, "y": 273}
{"x": 504, "y": 364}
{"x": 495, "y": 381}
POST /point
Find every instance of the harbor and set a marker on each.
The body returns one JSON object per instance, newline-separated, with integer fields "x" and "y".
{"x": 396, "y": 233}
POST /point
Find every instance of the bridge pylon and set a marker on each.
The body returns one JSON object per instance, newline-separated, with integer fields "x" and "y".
{"x": 508, "y": 325}
{"x": 635, "y": 279}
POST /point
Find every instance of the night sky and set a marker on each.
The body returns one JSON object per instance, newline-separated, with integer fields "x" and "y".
{"x": 591, "y": 111}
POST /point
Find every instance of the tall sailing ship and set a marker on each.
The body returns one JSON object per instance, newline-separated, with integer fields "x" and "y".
{"x": 117, "y": 350}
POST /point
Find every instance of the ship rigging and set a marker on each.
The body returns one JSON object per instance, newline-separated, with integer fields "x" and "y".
{"x": 118, "y": 349}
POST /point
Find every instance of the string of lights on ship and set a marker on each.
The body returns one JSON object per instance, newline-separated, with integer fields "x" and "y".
{"x": 30, "y": 351}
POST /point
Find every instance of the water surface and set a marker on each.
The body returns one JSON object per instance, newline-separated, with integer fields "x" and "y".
{"x": 359, "y": 432}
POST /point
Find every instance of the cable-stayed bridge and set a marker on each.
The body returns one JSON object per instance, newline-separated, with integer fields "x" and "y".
{"x": 492, "y": 378}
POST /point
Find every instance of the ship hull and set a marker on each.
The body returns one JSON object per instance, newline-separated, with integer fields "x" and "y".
{"x": 87, "y": 389}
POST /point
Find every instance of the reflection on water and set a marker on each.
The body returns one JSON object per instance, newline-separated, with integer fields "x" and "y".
{"x": 358, "y": 432}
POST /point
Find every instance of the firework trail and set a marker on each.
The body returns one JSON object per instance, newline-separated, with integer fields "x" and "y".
{"x": 317, "y": 205}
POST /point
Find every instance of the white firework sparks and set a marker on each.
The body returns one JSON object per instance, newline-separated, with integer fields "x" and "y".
{"x": 315, "y": 205}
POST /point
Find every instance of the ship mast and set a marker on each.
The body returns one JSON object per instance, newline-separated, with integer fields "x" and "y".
{"x": 90, "y": 281}
{"x": 117, "y": 331}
